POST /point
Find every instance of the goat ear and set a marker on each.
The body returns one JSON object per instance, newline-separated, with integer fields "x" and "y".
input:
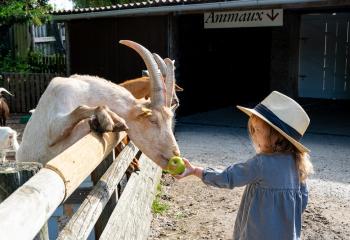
{"x": 140, "y": 111}
{"x": 120, "y": 126}
{"x": 178, "y": 88}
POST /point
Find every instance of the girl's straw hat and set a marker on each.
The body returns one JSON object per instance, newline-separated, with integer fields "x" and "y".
{"x": 283, "y": 114}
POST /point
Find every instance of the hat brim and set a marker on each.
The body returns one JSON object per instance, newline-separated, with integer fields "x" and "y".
{"x": 297, "y": 144}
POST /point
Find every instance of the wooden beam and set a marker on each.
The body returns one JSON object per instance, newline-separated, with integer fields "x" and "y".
{"x": 12, "y": 176}
{"x": 132, "y": 216}
{"x": 82, "y": 222}
{"x": 25, "y": 211}
{"x": 77, "y": 162}
{"x": 46, "y": 39}
{"x": 112, "y": 202}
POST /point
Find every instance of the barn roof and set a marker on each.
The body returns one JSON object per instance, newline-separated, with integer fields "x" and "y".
{"x": 153, "y": 7}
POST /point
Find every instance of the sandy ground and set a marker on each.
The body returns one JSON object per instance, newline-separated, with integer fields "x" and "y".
{"x": 197, "y": 211}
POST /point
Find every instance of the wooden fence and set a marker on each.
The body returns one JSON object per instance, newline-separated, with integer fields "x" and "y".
{"x": 55, "y": 63}
{"x": 25, "y": 211}
{"x": 27, "y": 88}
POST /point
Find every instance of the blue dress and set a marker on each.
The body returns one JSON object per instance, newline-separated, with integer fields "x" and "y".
{"x": 273, "y": 200}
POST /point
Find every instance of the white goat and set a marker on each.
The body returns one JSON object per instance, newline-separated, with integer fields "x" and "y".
{"x": 8, "y": 141}
{"x": 65, "y": 109}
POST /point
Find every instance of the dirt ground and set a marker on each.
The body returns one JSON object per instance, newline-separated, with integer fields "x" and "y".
{"x": 197, "y": 211}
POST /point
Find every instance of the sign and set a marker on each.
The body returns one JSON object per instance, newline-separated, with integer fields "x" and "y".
{"x": 237, "y": 19}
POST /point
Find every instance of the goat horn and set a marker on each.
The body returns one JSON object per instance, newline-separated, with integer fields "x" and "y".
{"x": 157, "y": 85}
{"x": 169, "y": 80}
{"x": 4, "y": 90}
{"x": 161, "y": 64}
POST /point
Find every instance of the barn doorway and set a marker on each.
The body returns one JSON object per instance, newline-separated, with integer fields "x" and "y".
{"x": 221, "y": 67}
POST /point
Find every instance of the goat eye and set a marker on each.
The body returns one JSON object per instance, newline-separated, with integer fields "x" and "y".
{"x": 153, "y": 121}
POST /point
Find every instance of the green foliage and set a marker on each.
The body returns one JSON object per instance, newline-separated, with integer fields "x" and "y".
{"x": 158, "y": 207}
{"x": 34, "y": 63}
{"x": 8, "y": 63}
{"x": 31, "y": 11}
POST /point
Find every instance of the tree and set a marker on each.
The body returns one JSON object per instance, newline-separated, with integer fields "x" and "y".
{"x": 18, "y": 11}
{"x": 30, "y": 11}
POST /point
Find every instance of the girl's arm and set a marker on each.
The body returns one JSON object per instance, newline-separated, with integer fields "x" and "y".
{"x": 236, "y": 175}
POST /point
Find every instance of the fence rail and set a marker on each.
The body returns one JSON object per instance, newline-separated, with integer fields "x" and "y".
{"x": 27, "y": 88}
{"x": 24, "y": 212}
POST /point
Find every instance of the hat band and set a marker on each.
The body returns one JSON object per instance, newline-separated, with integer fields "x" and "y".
{"x": 269, "y": 115}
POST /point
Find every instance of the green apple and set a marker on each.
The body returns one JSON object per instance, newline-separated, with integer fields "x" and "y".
{"x": 176, "y": 165}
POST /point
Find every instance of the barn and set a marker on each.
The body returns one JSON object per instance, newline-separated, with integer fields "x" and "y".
{"x": 226, "y": 52}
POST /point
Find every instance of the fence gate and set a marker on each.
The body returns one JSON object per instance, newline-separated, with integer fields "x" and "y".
{"x": 324, "y": 56}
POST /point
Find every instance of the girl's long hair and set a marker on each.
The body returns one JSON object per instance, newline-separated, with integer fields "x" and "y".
{"x": 278, "y": 144}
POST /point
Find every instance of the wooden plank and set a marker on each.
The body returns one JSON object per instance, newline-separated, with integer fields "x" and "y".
{"x": 46, "y": 39}
{"x": 30, "y": 206}
{"x": 71, "y": 164}
{"x": 25, "y": 211}
{"x": 33, "y": 101}
{"x": 81, "y": 224}
{"x": 44, "y": 233}
{"x": 37, "y": 87}
{"x": 17, "y": 92}
{"x": 23, "y": 94}
{"x": 27, "y": 92}
{"x": 41, "y": 83}
{"x": 132, "y": 216}
{"x": 112, "y": 202}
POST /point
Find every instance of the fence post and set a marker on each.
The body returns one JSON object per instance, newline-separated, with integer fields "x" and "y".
{"x": 12, "y": 176}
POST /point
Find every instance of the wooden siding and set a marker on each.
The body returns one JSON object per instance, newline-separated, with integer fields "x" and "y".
{"x": 95, "y": 49}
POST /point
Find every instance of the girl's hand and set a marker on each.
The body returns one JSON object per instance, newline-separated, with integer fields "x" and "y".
{"x": 190, "y": 170}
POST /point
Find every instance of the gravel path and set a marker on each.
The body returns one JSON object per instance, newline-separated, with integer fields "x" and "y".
{"x": 201, "y": 212}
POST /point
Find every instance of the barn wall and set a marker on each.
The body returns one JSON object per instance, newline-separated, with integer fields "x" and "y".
{"x": 221, "y": 67}
{"x": 94, "y": 47}
{"x": 285, "y": 55}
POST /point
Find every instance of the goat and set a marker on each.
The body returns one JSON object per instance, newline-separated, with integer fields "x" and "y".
{"x": 8, "y": 141}
{"x": 140, "y": 88}
{"x": 65, "y": 110}
{"x": 4, "y": 108}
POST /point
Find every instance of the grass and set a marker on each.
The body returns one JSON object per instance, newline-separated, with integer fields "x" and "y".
{"x": 158, "y": 207}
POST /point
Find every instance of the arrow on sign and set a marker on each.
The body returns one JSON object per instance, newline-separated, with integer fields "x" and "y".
{"x": 272, "y": 16}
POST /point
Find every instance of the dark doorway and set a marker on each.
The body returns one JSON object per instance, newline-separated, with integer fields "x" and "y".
{"x": 221, "y": 67}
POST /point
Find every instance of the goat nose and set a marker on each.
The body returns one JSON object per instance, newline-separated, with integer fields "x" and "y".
{"x": 176, "y": 152}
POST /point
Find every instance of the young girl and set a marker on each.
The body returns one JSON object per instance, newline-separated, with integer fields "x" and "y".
{"x": 276, "y": 192}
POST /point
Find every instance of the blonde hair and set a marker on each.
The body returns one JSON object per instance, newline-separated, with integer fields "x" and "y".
{"x": 278, "y": 143}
